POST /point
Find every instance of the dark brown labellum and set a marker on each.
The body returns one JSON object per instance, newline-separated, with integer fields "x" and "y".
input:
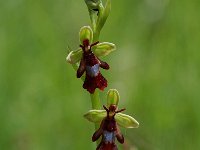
{"x": 91, "y": 65}
{"x": 109, "y": 130}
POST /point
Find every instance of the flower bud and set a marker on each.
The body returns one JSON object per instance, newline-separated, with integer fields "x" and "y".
{"x": 112, "y": 97}
{"x": 92, "y": 4}
{"x": 86, "y": 33}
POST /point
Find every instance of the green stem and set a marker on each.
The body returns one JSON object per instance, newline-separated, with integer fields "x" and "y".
{"x": 96, "y": 104}
{"x": 93, "y": 21}
{"x": 97, "y": 24}
{"x": 95, "y": 100}
{"x": 96, "y": 35}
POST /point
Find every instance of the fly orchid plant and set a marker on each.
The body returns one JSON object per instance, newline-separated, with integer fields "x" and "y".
{"x": 87, "y": 63}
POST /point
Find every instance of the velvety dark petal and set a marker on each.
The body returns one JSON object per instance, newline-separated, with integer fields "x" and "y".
{"x": 90, "y": 59}
{"x": 91, "y": 83}
{"x": 81, "y": 68}
{"x": 119, "y": 136}
{"x": 104, "y": 65}
{"x": 86, "y": 42}
{"x": 99, "y": 132}
{"x": 108, "y": 146}
{"x": 101, "y": 82}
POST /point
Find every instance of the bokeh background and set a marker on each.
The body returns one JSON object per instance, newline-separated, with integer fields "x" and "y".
{"x": 156, "y": 69}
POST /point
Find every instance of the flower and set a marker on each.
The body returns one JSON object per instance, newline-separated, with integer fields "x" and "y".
{"x": 109, "y": 120}
{"x": 88, "y": 55}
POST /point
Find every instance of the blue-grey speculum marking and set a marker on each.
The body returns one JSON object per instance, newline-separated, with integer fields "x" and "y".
{"x": 109, "y": 137}
{"x": 92, "y": 70}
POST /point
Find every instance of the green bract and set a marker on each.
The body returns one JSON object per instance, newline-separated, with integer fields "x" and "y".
{"x": 112, "y": 97}
{"x": 86, "y": 33}
{"x": 101, "y": 49}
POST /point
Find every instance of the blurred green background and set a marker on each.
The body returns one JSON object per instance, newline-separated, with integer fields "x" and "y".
{"x": 156, "y": 69}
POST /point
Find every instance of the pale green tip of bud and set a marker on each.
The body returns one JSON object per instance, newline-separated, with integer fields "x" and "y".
{"x": 112, "y": 97}
{"x": 74, "y": 56}
{"x": 86, "y": 33}
{"x": 103, "y": 49}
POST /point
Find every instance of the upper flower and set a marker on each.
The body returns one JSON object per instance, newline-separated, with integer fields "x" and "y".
{"x": 88, "y": 55}
{"x": 99, "y": 50}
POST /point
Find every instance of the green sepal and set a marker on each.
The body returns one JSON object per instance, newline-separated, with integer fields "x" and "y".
{"x": 86, "y": 33}
{"x": 95, "y": 116}
{"x": 112, "y": 97}
{"x": 74, "y": 56}
{"x": 104, "y": 48}
{"x": 126, "y": 121}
